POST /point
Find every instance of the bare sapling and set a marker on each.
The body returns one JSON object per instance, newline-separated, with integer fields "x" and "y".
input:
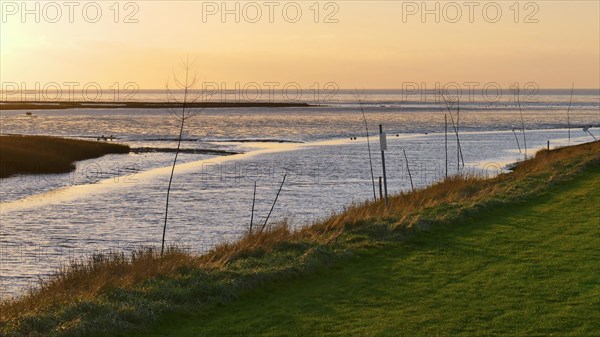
{"x": 182, "y": 111}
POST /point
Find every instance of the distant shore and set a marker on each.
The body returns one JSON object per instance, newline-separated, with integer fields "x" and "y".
{"x": 44, "y": 154}
{"x": 25, "y": 105}
{"x": 32, "y": 154}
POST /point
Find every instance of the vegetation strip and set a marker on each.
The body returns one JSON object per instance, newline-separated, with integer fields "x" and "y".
{"x": 43, "y": 154}
{"x": 116, "y": 294}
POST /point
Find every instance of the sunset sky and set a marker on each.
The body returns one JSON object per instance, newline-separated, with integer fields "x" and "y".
{"x": 374, "y": 44}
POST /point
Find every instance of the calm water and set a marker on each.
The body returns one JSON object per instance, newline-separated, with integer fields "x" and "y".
{"x": 117, "y": 201}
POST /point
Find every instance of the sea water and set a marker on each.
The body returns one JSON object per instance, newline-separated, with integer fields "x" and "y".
{"x": 117, "y": 202}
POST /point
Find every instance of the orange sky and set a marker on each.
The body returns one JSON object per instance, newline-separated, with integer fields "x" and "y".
{"x": 373, "y": 44}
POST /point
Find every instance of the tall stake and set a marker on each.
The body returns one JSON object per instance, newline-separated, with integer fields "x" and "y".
{"x": 412, "y": 187}
{"x": 517, "y": 139}
{"x": 587, "y": 129}
{"x": 368, "y": 147}
{"x": 458, "y": 147}
{"x": 383, "y": 148}
{"x": 446, "y": 141}
{"x": 462, "y": 159}
{"x": 569, "y": 110}
{"x": 253, "y": 202}
{"x": 459, "y": 150}
{"x": 522, "y": 121}
{"x": 274, "y": 202}
{"x": 457, "y": 142}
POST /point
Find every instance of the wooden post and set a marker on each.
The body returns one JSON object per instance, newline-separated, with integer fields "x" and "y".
{"x": 446, "y": 141}
{"x": 548, "y": 145}
{"x": 517, "y": 139}
{"x": 380, "y": 189}
{"x": 369, "y": 148}
{"x": 522, "y": 121}
{"x": 569, "y": 110}
{"x": 383, "y": 145}
{"x": 412, "y": 187}
{"x": 253, "y": 201}
{"x": 274, "y": 202}
{"x": 457, "y": 141}
{"x": 455, "y": 126}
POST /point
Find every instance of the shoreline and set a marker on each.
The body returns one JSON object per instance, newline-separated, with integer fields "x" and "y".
{"x": 50, "y": 105}
{"x": 323, "y": 244}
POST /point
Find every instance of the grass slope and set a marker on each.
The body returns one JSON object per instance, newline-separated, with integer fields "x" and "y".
{"x": 42, "y": 154}
{"x": 530, "y": 270}
{"x": 443, "y": 258}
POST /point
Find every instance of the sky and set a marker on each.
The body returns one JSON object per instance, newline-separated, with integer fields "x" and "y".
{"x": 355, "y": 44}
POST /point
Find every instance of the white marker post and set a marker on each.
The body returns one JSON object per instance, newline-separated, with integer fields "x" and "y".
{"x": 383, "y": 146}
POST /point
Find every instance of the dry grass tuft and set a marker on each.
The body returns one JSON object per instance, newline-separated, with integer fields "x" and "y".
{"x": 86, "y": 278}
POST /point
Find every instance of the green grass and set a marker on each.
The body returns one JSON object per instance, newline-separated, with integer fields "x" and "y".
{"x": 529, "y": 270}
{"x": 42, "y": 154}
{"x": 512, "y": 255}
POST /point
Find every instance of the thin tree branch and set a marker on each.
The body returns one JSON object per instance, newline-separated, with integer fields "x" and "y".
{"x": 183, "y": 114}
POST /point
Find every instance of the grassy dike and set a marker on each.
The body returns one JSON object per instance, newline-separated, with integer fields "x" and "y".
{"x": 513, "y": 255}
{"x": 43, "y": 154}
{"x": 530, "y": 270}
